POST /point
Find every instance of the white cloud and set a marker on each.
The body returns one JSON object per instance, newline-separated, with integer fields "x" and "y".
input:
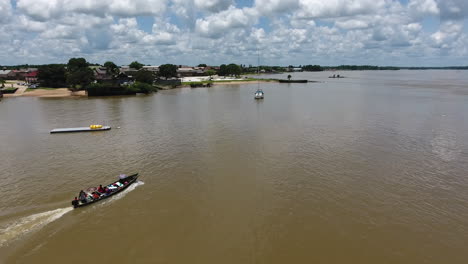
{"x": 163, "y": 33}
{"x": 213, "y": 5}
{"x": 27, "y": 24}
{"x": 448, "y": 33}
{"x": 40, "y": 10}
{"x": 47, "y": 9}
{"x": 223, "y": 31}
{"x": 351, "y": 24}
{"x": 136, "y": 7}
{"x": 337, "y": 8}
{"x": 5, "y": 10}
{"x": 267, "y": 7}
{"x": 219, "y": 23}
{"x": 453, "y": 9}
{"x": 423, "y": 7}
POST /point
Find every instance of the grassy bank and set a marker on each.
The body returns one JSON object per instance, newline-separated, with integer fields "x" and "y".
{"x": 40, "y": 88}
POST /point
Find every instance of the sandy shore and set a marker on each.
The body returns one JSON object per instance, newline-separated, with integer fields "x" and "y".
{"x": 59, "y": 92}
{"x": 64, "y": 92}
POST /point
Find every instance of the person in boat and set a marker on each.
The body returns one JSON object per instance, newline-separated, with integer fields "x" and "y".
{"x": 75, "y": 202}
{"x": 122, "y": 178}
{"x": 82, "y": 196}
{"x": 95, "y": 195}
{"x": 100, "y": 189}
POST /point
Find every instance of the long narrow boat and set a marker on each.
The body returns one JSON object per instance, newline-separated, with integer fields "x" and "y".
{"x": 114, "y": 188}
{"x": 80, "y": 129}
{"x": 292, "y": 81}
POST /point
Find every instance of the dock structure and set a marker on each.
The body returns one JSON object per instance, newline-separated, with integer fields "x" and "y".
{"x": 79, "y": 129}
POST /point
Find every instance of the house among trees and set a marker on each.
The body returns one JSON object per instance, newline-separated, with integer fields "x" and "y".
{"x": 154, "y": 69}
{"x": 22, "y": 73}
{"x": 185, "y": 71}
{"x": 101, "y": 74}
{"x": 7, "y": 74}
{"x": 130, "y": 72}
{"x": 31, "y": 77}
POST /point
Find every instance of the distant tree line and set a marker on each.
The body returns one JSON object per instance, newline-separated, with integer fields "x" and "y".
{"x": 360, "y": 67}
{"x": 312, "y": 68}
{"x": 230, "y": 70}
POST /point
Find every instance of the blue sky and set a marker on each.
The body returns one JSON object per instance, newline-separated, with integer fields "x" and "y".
{"x": 189, "y": 32}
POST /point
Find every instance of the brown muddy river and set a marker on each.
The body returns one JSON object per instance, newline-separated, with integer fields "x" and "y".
{"x": 367, "y": 169}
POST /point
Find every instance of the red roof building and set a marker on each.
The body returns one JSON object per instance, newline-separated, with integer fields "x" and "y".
{"x": 31, "y": 77}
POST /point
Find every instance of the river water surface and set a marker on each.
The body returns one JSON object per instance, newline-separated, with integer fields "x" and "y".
{"x": 366, "y": 169}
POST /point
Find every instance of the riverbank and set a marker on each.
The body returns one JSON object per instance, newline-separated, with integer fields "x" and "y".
{"x": 64, "y": 92}
{"x": 59, "y": 92}
{"x": 188, "y": 81}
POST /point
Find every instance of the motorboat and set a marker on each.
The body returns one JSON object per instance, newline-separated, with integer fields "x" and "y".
{"x": 259, "y": 94}
{"x": 93, "y": 194}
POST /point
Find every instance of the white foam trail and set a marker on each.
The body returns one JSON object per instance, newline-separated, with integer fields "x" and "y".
{"x": 36, "y": 221}
{"x": 30, "y": 223}
{"x": 123, "y": 193}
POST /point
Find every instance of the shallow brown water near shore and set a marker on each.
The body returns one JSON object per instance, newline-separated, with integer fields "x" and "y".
{"x": 366, "y": 169}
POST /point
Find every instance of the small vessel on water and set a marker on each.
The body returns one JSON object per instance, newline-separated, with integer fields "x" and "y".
{"x": 259, "y": 94}
{"x": 335, "y": 76}
{"x": 292, "y": 81}
{"x": 80, "y": 129}
{"x": 94, "y": 194}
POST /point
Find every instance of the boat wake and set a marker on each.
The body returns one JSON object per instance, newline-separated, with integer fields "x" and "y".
{"x": 30, "y": 223}
{"x": 123, "y": 193}
{"x": 35, "y": 222}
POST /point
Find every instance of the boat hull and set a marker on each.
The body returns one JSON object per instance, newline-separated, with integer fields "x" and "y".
{"x": 131, "y": 180}
{"x": 292, "y": 81}
{"x": 78, "y": 129}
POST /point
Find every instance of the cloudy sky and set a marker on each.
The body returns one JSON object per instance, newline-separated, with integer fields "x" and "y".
{"x": 283, "y": 32}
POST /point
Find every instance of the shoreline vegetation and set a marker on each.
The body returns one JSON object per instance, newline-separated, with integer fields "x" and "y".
{"x": 80, "y": 78}
{"x": 47, "y": 92}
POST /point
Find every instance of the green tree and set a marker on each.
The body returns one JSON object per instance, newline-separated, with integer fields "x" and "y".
{"x": 233, "y": 69}
{"x": 223, "y": 70}
{"x": 52, "y": 75}
{"x": 2, "y": 82}
{"x": 312, "y": 68}
{"x": 202, "y": 65}
{"x": 136, "y": 65}
{"x": 144, "y": 76}
{"x": 79, "y": 75}
{"x": 210, "y": 72}
{"x": 80, "y": 78}
{"x": 168, "y": 70}
{"x": 111, "y": 68}
{"x": 76, "y": 63}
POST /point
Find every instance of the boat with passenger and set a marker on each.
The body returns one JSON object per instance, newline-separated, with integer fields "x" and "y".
{"x": 95, "y": 194}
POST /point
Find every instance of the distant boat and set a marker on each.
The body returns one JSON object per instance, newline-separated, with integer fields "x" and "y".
{"x": 292, "y": 81}
{"x": 80, "y": 129}
{"x": 336, "y": 76}
{"x": 259, "y": 94}
{"x": 91, "y": 195}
